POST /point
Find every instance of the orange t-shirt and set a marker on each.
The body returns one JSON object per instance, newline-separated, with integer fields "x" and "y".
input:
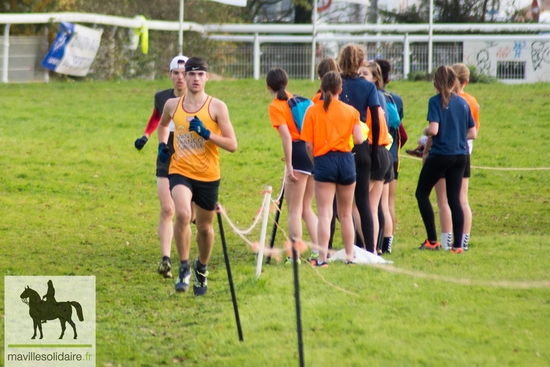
{"x": 474, "y": 106}
{"x": 279, "y": 113}
{"x": 329, "y": 130}
{"x": 383, "y": 137}
{"x": 316, "y": 97}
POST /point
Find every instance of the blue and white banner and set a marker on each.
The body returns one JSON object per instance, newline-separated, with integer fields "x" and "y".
{"x": 73, "y": 50}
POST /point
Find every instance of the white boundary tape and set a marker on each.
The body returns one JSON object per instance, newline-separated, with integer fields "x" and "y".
{"x": 491, "y": 168}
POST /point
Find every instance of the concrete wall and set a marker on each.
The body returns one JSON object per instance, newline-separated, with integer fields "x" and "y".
{"x": 511, "y": 61}
{"x": 25, "y": 56}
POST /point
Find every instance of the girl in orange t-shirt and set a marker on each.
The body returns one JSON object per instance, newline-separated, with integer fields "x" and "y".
{"x": 298, "y": 181}
{"x": 327, "y": 127}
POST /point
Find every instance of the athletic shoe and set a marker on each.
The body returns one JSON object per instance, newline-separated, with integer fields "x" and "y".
{"x": 320, "y": 264}
{"x": 182, "y": 283}
{"x": 427, "y": 245}
{"x": 313, "y": 258}
{"x": 165, "y": 268}
{"x": 289, "y": 261}
{"x": 457, "y": 250}
{"x": 416, "y": 152}
{"x": 200, "y": 282}
{"x": 350, "y": 262}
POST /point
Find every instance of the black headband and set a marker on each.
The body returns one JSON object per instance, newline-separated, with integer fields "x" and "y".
{"x": 189, "y": 68}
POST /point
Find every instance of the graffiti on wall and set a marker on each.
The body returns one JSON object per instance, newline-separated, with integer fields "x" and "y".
{"x": 540, "y": 52}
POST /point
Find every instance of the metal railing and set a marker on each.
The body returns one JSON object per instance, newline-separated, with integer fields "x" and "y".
{"x": 236, "y": 60}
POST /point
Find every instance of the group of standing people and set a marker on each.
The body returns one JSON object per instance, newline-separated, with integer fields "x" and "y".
{"x": 352, "y": 135}
{"x": 357, "y": 171}
{"x": 344, "y": 153}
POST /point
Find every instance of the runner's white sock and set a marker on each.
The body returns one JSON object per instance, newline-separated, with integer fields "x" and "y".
{"x": 465, "y": 240}
{"x": 446, "y": 240}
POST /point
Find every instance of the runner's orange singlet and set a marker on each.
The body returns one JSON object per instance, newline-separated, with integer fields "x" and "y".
{"x": 193, "y": 156}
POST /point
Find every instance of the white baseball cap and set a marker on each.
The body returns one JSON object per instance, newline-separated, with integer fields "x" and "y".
{"x": 174, "y": 64}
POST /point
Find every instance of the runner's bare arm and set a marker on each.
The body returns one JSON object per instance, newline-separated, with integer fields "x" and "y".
{"x": 167, "y": 113}
{"x": 227, "y": 139}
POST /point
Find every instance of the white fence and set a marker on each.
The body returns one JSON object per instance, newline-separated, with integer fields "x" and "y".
{"x": 250, "y": 50}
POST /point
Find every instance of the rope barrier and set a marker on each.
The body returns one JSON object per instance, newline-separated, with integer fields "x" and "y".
{"x": 492, "y": 168}
{"x": 302, "y": 246}
{"x": 465, "y": 281}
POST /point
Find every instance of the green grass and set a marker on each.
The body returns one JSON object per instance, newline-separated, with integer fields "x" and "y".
{"x": 76, "y": 198}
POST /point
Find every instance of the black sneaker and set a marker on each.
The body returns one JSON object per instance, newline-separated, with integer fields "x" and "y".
{"x": 165, "y": 268}
{"x": 201, "y": 282}
{"x": 182, "y": 283}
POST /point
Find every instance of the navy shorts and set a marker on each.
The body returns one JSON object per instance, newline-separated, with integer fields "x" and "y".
{"x": 337, "y": 167}
{"x": 300, "y": 159}
{"x": 162, "y": 168}
{"x": 205, "y": 194}
{"x": 396, "y": 170}
{"x": 385, "y": 164}
{"x": 467, "y": 170}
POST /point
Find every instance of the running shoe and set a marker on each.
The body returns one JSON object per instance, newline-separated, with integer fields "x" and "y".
{"x": 200, "y": 284}
{"x": 321, "y": 264}
{"x": 416, "y": 152}
{"x": 313, "y": 258}
{"x": 182, "y": 283}
{"x": 289, "y": 261}
{"x": 457, "y": 250}
{"x": 165, "y": 268}
{"x": 427, "y": 245}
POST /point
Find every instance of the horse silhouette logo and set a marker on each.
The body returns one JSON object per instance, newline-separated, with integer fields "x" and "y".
{"x": 42, "y": 309}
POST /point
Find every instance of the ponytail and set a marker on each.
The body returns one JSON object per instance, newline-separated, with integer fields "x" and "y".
{"x": 330, "y": 85}
{"x": 445, "y": 83}
{"x": 277, "y": 80}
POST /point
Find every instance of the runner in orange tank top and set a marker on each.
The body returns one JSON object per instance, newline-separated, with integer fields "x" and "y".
{"x": 202, "y": 125}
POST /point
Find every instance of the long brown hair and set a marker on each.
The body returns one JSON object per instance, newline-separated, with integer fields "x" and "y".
{"x": 462, "y": 73}
{"x": 277, "y": 80}
{"x": 445, "y": 82}
{"x": 325, "y": 66}
{"x": 376, "y": 73}
{"x": 350, "y": 58}
{"x": 330, "y": 85}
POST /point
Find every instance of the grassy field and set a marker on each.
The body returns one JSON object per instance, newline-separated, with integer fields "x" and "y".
{"x": 76, "y": 198}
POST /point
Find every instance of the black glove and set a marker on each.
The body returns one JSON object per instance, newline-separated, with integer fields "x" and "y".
{"x": 140, "y": 143}
{"x": 197, "y": 126}
{"x": 164, "y": 152}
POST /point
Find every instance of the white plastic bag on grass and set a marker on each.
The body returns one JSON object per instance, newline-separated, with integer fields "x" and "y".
{"x": 361, "y": 257}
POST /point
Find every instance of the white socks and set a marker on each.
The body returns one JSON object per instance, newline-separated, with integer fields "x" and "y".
{"x": 446, "y": 240}
{"x": 465, "y": 240}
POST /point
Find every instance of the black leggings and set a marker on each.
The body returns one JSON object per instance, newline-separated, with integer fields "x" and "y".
{"x": 452, "y": 169}
{"x": 363, "y": 167}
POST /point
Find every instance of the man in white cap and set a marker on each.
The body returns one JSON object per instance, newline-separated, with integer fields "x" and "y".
{"x": 165, "y": 228}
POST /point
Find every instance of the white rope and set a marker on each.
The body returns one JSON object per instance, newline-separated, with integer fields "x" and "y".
{"x": 249, "y": 229}
{"x": 465, "y": 281}
{"x": 493, "y": 168}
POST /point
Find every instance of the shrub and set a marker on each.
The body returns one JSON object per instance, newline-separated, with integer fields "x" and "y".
{"x": 478, "y": 77}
